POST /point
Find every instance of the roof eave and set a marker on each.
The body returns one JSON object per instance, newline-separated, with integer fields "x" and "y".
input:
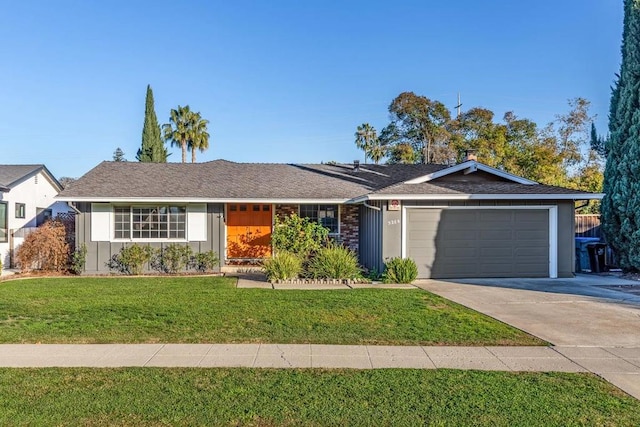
{"x": 201, "y": 200}
{"x": 570, "y": 196}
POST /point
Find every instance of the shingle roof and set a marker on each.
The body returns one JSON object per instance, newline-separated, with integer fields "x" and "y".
{"x": 492, "y": 187}
{"x": 225, "y": 180}
{"x": 10, "y": 174}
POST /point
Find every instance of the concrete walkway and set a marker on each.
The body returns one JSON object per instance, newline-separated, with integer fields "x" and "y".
{"x": 585, "y": 317}
{"x": 621, "y": 366}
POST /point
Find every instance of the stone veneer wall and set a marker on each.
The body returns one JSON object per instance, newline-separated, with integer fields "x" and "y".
{"x": 283, "y": 211}
{"x": 349, "y": 226}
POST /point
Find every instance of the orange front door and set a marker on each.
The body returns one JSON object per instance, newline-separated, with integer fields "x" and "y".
{"x": 248, "y": 230}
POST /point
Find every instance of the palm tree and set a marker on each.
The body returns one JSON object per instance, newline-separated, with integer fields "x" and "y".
{"x": 178, "y": 131}
{"x": 377, "y": 151}
{"x": 368, "y": 141}
{"x": 199, "y": 137}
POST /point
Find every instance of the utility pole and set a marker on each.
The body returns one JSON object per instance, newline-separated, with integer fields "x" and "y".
{"x": 458, "y": 106}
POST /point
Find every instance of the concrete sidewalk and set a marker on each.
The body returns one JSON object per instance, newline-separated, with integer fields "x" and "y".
{"x": 621, "y": 366}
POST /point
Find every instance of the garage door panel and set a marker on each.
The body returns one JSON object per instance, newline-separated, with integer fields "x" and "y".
{"x": 479, "y": 242}
{"x": 489, "y": 254}
{"x": 495, "y": 234}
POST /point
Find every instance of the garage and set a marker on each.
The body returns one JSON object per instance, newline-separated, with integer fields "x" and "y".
{"x": 481, "y": 242}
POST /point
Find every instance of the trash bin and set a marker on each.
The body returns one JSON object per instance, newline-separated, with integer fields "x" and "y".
{"x": 582, "y": 256}
{"x": 597, "y": 255}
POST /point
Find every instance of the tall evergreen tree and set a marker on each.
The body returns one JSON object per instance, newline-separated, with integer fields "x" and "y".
{"x": 621, "y": 204}
{"x": 118, "y": 155}
{"x": 152, "y": 148}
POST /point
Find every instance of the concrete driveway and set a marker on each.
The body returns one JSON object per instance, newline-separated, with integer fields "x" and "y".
{"x": 582, "y": 311}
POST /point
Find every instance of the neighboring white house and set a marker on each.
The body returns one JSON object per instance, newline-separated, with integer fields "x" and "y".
{"x": 27, "y": 199}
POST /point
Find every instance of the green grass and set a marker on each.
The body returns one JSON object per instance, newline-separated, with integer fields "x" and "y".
{"x": 152, "y": 396}
{"x": 212, "y": 310}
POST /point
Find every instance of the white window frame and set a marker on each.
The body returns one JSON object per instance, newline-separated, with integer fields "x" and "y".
{"x": 148, "y": 239}
{"x": 336, "y": 234}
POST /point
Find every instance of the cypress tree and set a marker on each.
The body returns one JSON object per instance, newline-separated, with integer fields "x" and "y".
{"x": 152, "y": 148}
{"x": 621, "y": 204}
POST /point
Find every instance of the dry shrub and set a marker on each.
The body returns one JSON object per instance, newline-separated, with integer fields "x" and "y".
{"x": 44, "y": 249}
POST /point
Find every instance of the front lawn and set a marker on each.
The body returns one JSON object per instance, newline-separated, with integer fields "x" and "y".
{"x": 212, "y": 310}
{"x": 153, "y": 396}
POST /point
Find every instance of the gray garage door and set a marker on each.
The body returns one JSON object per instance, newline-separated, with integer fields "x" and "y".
{"x": 457, "y": 243}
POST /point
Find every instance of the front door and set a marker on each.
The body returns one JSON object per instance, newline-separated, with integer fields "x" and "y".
{"x": 248, "y": 230}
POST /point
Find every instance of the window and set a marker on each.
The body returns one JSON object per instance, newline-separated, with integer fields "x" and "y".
{"x": 326, "y": 215}
{"x": 4, "y": 235}
{"x": 150, "y": 222}
{"x": 20, "y": 210}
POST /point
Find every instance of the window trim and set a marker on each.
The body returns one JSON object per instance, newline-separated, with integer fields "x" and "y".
{"x": 149, "y": 239}
{"x": 20, "y": 207}
{"x": 337, "y": 233}
{"x": 6, "y": 224}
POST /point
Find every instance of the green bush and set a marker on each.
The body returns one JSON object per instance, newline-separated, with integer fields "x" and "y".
{"x": 131, "y": 259}
{"x": 334, "y": 262}
{"x": 205, "y": 261}
{"x": 400, "y": 270}
{"x": 299, "y": 236}
{"x": 79, "y": 259}
{"x": 282, "y": 266}
{"x": 172, "y": 258}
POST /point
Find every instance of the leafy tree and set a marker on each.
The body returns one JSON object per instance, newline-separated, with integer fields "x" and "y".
{"x": 572, "y": 131}
{"x": 199, "y": 137}
{"x": 65, "y": 181}
{"x": 621, "y": 203}
{"x": 423, "y": 124}
{"x": 152, "y": 148}
{"x": 475, "y": 129}
{"x": 368, "y": 141}
{"x": 402, "y": 153}
{"x": 178, "y": 131}
{"x": 118, "y": 155}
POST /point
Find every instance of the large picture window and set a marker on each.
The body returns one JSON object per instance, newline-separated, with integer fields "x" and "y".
{"x": 150, "y": 222}
{"x": 4, "y": 232}
{"x": 326, "y": 215}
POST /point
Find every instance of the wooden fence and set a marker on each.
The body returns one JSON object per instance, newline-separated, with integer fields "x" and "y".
{"x": 588, "y": 226}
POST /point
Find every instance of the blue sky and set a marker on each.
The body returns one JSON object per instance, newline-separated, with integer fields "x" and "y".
{"x": 284, "y": 81}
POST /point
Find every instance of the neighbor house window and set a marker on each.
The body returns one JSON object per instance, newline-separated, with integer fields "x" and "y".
{"x": 150, "y": 222}
{"x": 326, "y": 215}
{"x": 4, "y": 234}
{"x": 20, "y": 210}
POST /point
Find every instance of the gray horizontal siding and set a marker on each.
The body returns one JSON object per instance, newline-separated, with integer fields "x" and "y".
{"x": 99, "y": 253}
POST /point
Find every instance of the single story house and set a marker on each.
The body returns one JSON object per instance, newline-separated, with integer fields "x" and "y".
{"x": 467, "y": 220}
{"x": 27, "y": 199}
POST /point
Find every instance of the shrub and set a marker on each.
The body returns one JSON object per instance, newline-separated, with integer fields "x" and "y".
{"x": 334, "y": 262}
{"x": 172, "y": 258}
{"x": 44, "y": 249}
{"x": 400, "y": 270}
{"x": 299, "y": 236}
{"x": 205, "y": 261}
{"x": 131, "y": 259}
{"x": 282, "y": 266}
{"x": 79, "y": 259}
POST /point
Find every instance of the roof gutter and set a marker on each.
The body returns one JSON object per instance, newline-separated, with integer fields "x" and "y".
{"x": 4, "y": 189}
{"x": 571, "y": 196}
{"x": 196, "y": 200}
